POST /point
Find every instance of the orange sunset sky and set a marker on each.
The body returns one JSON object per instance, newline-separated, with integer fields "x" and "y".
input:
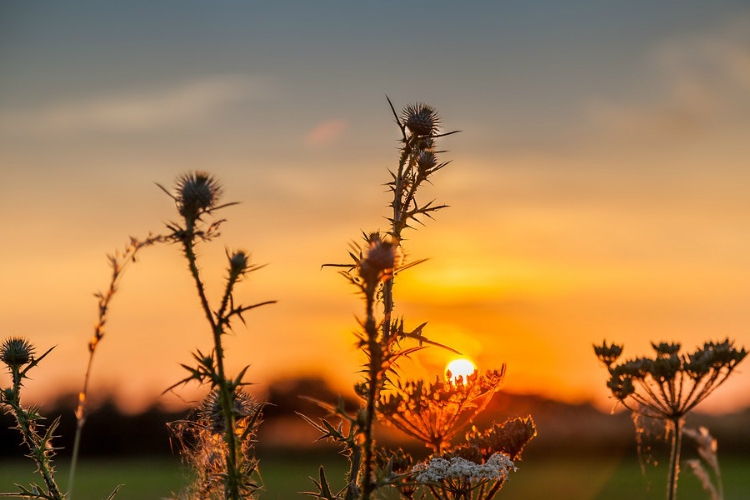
{"x": 598, "y": 188}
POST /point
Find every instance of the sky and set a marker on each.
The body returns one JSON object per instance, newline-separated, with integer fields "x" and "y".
{"x": 597, "y": 188}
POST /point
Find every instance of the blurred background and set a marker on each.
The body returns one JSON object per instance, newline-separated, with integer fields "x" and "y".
{"x": 597, "y": 189}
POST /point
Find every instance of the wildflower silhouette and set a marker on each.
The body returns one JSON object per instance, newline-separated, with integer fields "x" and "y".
{"x": 372, "y": 271}
{"x": 18, "y": 355}
{"x": 196, "y": 196}
{"x": 435, "y": 413}
{"x": 204, "y": 447}
{"x": 478, "y": 468}
{"x": 669, "y": 385}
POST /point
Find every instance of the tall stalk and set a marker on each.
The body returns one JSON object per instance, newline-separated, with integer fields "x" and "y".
{"x": 677, "y": 425}
{"x": 418, "y": 124}
{"x": 196, "y": 195}
{"x": 118, "y": 262}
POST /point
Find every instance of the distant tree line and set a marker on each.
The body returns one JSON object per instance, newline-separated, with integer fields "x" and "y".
{"x": 563, "y": 428}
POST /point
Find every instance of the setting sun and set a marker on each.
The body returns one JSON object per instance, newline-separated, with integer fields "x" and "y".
{"x": 461, "y": 367}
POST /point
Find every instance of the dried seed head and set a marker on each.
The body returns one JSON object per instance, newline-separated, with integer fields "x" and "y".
{"x": 196, "y": 193}
{"x": 16, "y": 352}
{"x": 421, "y": 119}
{"x": 666, "y": 348}
{"x": 608, "y": 354}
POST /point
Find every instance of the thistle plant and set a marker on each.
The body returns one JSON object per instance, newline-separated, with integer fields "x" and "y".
{"x": 433, "y": 413}
{"x": 669, "y": 385}
{"x": 196, "y": 196}
{"x": 17, "y": 354}
{"x": 204, "y": 447}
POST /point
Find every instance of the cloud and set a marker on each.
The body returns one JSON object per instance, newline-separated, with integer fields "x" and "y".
{"x": 706, "y": 84}
{"x": 137, "y": 112}
{"x": 326, "y": 132}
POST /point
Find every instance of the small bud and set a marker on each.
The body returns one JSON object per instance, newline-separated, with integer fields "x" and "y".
{"x": 16, "y": 352}
{"x": 238, "y": 263}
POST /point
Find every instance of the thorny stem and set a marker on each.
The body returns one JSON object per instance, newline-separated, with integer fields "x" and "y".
{"x": 373, "y": 390}
{"x": 225, "y": 398}
{"x": 37, "y": 446}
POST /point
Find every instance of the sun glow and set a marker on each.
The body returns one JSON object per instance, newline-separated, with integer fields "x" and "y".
{"x": 461, "y": 367}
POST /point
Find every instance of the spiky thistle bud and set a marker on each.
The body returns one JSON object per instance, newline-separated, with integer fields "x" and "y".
{"x": 238, "y": 263}
{"x": 196, "y": 193}
{"x": 211, "y": 416}
{"x": 16, "y": 352}
{"x": 380, "y": 259}
{"x": 426, "y": 161}
{"x": 421, "y": 119}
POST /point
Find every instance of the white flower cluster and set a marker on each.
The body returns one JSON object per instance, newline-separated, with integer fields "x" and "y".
{"x": 497, "y": 468}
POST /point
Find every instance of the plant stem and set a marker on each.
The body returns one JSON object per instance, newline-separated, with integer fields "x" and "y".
{"x": 37, "y": 447}
{"x": 232, "y": 490}
{"x": 674, "y": 457}
{"x": 373, "y": 390}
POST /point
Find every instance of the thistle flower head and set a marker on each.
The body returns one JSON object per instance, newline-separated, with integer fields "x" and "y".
{"x": 239, "y": 261}
{"x": 196, "y": 193}
{"x": 421, "y": 119}
{"x": 380, "y": 259}
{"x": 210, "y": 415}
{"x": 426, "y": 162}
{"x": 16, "y": 352}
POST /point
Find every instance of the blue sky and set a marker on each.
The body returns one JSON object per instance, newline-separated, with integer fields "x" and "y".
{"x": 598, "y": 185}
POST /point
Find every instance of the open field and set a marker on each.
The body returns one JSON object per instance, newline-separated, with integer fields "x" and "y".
{"x": 579, "y": 479}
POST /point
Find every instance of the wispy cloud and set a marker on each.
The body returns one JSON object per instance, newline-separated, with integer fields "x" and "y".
{"x": 326, "y": 132}
{"x": 141, "y": 111}
{"x": 706, "y": 84}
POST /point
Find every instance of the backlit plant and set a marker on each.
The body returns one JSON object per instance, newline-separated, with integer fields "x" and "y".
{"x": 17, "y": 354}
{"x": 669, "y": 385}
{"x": 433, "y": 413}
{"x": 222, "y": 435}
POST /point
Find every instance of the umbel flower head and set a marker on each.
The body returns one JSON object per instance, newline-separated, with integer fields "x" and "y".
{"x": 670, "y": 384}
{"x": 435, "y": 413}
{"x": 16, "y": 352}
{"x": 196, "y": 193}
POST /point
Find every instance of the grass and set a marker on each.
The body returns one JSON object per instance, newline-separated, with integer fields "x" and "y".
{"x": 578, "y": 479}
